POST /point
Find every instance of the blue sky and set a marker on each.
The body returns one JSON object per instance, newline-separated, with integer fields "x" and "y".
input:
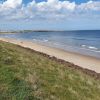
{"x": 50, "y": 15}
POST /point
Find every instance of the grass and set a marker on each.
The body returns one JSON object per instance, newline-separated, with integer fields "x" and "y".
{"x": 27, "y": 75}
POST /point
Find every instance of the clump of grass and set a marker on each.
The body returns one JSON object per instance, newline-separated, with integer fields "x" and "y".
{"x": 27, "y": 75}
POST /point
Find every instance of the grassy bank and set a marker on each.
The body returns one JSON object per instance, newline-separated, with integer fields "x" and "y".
{"x": 27, "y": 75}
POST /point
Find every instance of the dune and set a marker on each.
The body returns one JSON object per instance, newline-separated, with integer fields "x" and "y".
{"x": 86, "y": 62}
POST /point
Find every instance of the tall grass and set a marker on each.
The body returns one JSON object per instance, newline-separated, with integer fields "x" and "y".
{"x": 27, "y": 75}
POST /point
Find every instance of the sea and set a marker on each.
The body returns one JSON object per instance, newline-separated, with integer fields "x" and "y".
{"x": 85, "y": 42}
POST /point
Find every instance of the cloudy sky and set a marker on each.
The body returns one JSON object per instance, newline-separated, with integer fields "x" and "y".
{"x": 49, "y": 14}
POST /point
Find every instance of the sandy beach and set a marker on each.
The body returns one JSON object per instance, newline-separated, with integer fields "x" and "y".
{"x": 83, "y": 61}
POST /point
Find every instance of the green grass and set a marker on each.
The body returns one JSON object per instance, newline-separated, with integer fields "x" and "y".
{"x": 27, "y": 75}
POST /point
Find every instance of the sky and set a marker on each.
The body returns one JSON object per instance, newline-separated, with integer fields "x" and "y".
{"x": 49, "y": 14}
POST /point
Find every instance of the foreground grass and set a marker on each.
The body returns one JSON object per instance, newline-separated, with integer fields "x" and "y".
{"x": 26, "y": 75}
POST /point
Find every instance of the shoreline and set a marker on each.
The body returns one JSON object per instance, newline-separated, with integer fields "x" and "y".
{"x": 85, "y": 62}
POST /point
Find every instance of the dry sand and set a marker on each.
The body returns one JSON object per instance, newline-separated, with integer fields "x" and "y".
{"x": 84, "y": 61}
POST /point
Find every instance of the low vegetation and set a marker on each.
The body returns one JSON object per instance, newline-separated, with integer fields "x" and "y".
{"x": 27, "y": 75}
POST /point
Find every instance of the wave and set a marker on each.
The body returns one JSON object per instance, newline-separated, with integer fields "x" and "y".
{"x": 45, "y": 40}
{"x": 92, "y": 48}
{"x": 34, "y": 39}
{"x": 61, "y": 45}
{"x": 40, "y": 40}
{"x": 79, "y": 39}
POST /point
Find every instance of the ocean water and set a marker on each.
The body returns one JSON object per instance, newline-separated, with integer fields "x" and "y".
{"x": 83, "y": 42}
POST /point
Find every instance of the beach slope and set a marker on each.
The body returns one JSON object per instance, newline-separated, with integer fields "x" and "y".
{"x": 84, "y": 61}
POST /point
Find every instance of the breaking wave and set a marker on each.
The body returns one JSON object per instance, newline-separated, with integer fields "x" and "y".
{"x": 92, "y": 48}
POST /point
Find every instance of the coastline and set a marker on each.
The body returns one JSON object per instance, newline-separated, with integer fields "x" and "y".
{"x": 86, "y": 62}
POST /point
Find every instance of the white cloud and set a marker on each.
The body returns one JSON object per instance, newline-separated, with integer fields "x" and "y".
{"x": 91, "y": 5}
{"x": 52, "y": 9}
{"x": 12, "y": 3}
